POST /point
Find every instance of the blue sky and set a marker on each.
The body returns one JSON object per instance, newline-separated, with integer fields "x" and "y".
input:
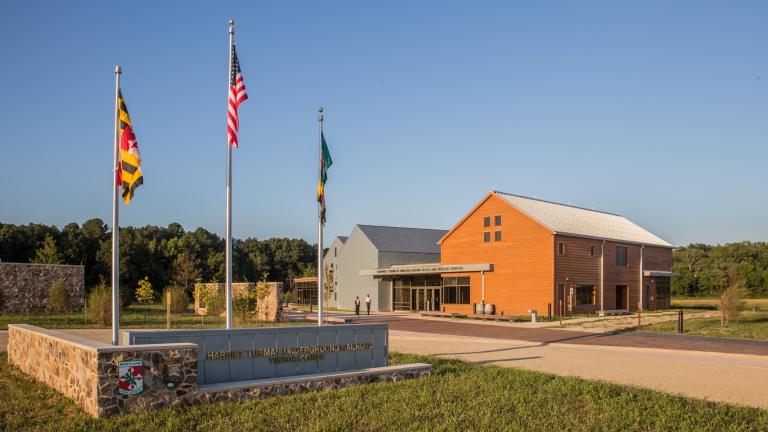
{"x": 657, "y": 110}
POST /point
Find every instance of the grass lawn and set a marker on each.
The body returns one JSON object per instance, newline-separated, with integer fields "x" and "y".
{"x": 459, "y": 396}
{"x": 711, "y": 303}
{"x": 749, "y": 325}
{"x": 135, "y": 316}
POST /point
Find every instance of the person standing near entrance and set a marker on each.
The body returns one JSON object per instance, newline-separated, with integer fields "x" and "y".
{"x": 357, "y": 305}
{"x": 368, "y": 303}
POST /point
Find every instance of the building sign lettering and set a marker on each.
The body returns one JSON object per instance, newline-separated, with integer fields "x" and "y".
{"x": 287, "y": 355}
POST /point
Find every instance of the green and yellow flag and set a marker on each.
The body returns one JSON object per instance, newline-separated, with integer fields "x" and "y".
{"x": 325, "y": 163}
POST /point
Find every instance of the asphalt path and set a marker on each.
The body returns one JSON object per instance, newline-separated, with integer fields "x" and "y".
{"x": 547, "y": 335}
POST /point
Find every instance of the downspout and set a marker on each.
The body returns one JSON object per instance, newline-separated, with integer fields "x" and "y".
{"x": 392, "y": 295}
{"x": 602, "y": 276}
{"x": 641, "y": 275}
{"x": 482, "y": 288}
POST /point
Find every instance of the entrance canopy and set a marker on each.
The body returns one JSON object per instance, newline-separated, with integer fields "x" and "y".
{"x": 425, "y": 269}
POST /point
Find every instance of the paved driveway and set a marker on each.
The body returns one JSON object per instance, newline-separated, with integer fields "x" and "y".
{"x": 495, "y": 330}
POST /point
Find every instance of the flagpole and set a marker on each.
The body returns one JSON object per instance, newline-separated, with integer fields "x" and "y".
{"x": 228, "y": 285}
{"x": 115, "y": 221}
{"x": 320, "y": 233}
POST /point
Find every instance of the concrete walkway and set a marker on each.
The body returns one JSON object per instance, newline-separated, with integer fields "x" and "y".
{"x": 731, "y": 378}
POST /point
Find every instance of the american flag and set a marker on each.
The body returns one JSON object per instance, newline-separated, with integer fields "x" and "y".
{"x": 237, "y": 95}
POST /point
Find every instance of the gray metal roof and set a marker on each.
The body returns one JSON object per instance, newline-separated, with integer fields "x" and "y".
{"x": 342, "y": 239}
{"x": 396, "y": 239}
{"x": 567, "y": 219}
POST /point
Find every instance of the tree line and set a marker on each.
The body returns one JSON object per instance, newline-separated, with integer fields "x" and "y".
{"x": 165, "y": 255}
{"x": 705, "y": 269}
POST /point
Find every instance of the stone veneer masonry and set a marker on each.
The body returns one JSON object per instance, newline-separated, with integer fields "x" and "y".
{"x": 86, "y": 371}
{"x": 267, "y": 308}
{"x": 26, "y": 287}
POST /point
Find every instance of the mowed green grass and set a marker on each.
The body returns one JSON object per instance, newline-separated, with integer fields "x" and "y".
{"x": 458, "y": 396}
{"x": 751, "y": 324}
{"x": 134, "y": 316}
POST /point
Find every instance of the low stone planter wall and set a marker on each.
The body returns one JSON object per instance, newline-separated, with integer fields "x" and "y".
{"x": 89, "y": 372}
{"x": 98, "y": 376}
{"x": 260, "y": 389}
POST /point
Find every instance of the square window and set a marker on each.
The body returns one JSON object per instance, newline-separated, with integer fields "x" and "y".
{"x": 486, "y": 237}
{"x": 497, "y": 236}
{"x": 487, "y": 221}
{"x": 497, "y": 220}
{"x": 585, "y": 294}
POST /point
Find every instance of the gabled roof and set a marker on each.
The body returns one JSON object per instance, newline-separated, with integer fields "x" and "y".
{"x": 396, "y": 239}
{"x": 577, "y": 221}
{"x": 342, "y": 239}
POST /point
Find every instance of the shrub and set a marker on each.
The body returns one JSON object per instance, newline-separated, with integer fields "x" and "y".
{"x": 289, "y": 297}
{"x": 179, "y": 300}
{"x": 100, "y": 304}
{"x": 215, "y": 302}
{"x": 60, "y": 298}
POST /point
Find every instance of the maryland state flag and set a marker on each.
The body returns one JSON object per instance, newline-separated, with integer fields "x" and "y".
{"x": 325, "y": 163}
{"x": 129, "y": 173}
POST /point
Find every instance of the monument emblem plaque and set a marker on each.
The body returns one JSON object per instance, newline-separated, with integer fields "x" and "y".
{"x": 131, "y": 376}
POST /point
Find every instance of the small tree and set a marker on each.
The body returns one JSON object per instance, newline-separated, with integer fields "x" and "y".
{"x": 179, "y": 300}
{"x": 100, "y": 303}
{"x": 185, "y": 270}
{"x": 60, "y": 298}
{"x": 261, "y": 289}
{"x": 48, "y": 253}
{"x": 732, "y": 293}
{"x": 243, "y": 302}
{"x": 145, "y": 294}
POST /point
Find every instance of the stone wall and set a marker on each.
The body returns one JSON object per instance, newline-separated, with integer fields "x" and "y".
{"x": 67, "y": 366}
{"x": 268, "y": 308}
{"x": 238, "y": 289}
{"x": 26, "y": 287}
{"x": 87, "y": 372}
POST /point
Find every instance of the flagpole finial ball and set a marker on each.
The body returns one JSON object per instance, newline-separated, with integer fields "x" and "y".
{"x": 231, "y": 22}
{"x": 321, "y": 109}
{"x": 118, "y": 69}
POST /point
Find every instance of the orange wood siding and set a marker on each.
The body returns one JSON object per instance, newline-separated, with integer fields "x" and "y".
{"x": 523, "y": 274}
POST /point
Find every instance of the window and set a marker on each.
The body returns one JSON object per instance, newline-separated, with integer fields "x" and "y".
{"x": 497, "y": 220}
{"x": 591, "y": 251}
{"x": 456, "y": 290}
{"x": 561, "y": 248}
{"x": 621, "y": 256}
{"x": 585, "y": 294}
{"x": 334, "y": 252}
{"x": 486, "y": 237}
{"x": 497, "y": 236}
{"x": 487, "y": 221}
